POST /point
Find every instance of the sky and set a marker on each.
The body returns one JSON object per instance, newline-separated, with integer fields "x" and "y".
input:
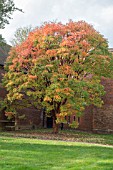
{"x": 99, "y": 13}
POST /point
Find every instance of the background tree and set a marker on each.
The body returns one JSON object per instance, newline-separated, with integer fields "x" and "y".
{"x": 59, "y": 67}
{"x": 20, "y": 35}
{"x": 7, "y": 7}
{"x": 2, "y": 40}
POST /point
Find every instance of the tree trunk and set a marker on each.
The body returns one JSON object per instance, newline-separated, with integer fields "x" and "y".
{"x": 55, "y": 125}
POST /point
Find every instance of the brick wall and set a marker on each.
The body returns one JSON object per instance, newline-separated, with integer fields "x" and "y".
{"x": 29, "y": 118}
{"x": 103, "y": 117}
{"x": 100, "y": 120}
{"x": 86, "y": 120}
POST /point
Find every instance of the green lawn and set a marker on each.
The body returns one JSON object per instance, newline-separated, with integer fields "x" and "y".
{"x": 64, "y": 135}
{"x": 34, "y": 154}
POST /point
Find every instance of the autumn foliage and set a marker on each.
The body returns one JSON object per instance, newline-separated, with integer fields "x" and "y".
{"x": 59, "y": 68}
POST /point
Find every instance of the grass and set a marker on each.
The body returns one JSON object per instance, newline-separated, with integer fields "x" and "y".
{"x": 65, "y": 135}
{"x": 35, "y": 154}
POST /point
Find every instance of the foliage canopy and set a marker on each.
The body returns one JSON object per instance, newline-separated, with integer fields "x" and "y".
{"x": 58, "y": 67}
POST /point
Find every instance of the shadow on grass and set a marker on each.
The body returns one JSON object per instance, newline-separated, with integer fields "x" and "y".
{"x": 20, "y": 154}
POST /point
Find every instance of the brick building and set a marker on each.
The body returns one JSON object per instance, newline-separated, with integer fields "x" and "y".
{"x": 94, "y": 119}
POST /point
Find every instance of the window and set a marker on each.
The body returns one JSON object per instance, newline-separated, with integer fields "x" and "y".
{"x": 74, "y": 118}
{"x": 68, "y": 119}
{"x": 78, "y": 119}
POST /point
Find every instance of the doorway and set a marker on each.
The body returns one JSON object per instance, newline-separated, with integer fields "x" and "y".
{"x": 49, "y": 122}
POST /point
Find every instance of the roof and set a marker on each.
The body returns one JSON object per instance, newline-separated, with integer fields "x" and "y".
{"x": 4, "y": 50}
{"x": 111, "y": 50}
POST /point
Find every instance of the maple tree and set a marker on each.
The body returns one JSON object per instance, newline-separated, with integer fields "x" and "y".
{"x": 59, "y": 68}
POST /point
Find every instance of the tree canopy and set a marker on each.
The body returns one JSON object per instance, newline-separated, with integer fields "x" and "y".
{"x": 7, "y": 7}
{"x": 59, "y": 68}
